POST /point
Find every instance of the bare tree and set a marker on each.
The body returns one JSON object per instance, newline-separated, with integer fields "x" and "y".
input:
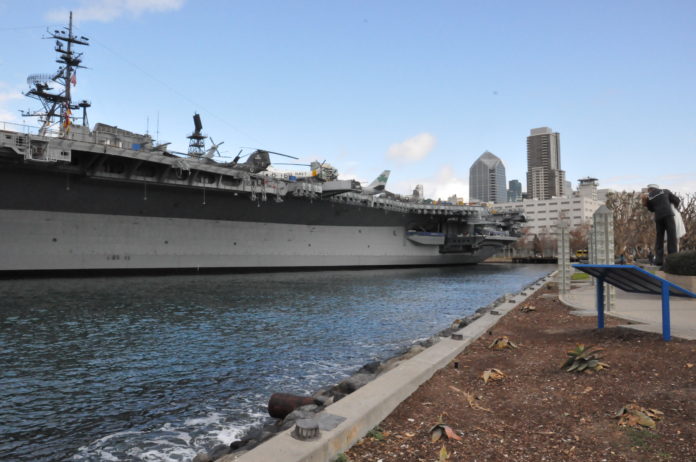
{"x": 547, "y": 244}
{"x": 578, "y": 237}
{"x": 687, "y": 209}
{"x": 634, "y": 227}
{"x": 523, "y": 246}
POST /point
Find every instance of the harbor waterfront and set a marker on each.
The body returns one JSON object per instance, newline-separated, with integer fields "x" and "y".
{"x": 160, "y": 368}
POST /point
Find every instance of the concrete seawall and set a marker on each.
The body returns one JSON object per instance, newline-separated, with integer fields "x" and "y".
{"x": 363, "y": 409}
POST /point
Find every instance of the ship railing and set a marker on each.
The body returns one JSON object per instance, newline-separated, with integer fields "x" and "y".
{"x": 75, "y": 133}
{"x": 32, "y": 130}
{"x": 407, "y": 207}
{"x": 21, "y": 128}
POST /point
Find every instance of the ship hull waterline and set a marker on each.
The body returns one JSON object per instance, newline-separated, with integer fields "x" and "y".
{"x": 73, "y": 243}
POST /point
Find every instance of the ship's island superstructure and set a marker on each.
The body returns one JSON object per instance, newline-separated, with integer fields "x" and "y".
{"x": 75, "y": 199}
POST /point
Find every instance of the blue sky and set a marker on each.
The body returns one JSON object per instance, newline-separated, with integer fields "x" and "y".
{"x": 420, "y": 88}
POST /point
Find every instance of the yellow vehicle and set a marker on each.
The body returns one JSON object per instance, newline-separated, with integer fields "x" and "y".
{"x": 581, "y": 254}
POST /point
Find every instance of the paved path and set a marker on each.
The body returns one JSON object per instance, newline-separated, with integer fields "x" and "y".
{"x": 640, "y": 308}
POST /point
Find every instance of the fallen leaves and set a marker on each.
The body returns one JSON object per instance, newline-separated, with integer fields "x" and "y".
{"x": 527, "y": 308}
{"x": 492, "y": 374}
{"x": 502, "y": 343}
{"x": 633, "y": 415}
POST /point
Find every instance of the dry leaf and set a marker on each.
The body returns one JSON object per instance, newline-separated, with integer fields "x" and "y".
{"x": 689, "y": 365}
{"x": 470, "y": 399}
{"x": 633, "y": 415}
{"x": 444, "y": 455}
{"x": 492, "y": 374}
{"x": 501, "y": 343}
{"x": 435, "y": 433}
{"x": 587, "y": 390}
{"x": 439, "y": 430}
{"x": 473, "y": 404}
{"x": 451, "y": 434}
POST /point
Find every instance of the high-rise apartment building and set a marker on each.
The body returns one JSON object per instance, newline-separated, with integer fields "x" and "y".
{"x": 514, "y": 192}
{"x": 487, "y": 179}
{"x": 545, "y": 179}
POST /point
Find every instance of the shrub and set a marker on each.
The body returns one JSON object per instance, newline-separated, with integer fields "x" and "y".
{"x": 681, "y": 263}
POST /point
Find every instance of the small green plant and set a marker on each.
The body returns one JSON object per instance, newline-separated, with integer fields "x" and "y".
{"x": 584, "y": 359}
{"x": 377, "y": 433}
{"x": 341, "y": 458}
{"x": 579, "y": 276}
{"x": 681, "y": 263}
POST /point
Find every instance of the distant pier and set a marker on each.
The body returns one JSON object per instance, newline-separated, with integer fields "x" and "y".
{"x": 535, "y": 259}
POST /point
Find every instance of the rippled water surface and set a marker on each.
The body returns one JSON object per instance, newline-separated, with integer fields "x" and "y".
{"x": 159, "y": 368}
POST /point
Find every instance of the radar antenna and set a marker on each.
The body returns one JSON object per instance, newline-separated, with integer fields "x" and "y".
{"x": 58, "y": 104}
{"x": 197, "y": 138}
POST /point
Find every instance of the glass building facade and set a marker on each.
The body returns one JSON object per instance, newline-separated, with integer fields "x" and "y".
{"x": 487, "y": 179}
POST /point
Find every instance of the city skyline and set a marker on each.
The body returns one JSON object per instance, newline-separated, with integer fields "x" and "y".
{"x": 404, "y": 86}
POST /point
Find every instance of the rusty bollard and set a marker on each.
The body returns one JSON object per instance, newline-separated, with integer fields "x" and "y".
{"x": 282, "y": 404}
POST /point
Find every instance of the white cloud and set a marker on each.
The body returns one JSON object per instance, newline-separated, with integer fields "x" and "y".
{"x": 412, "y": 149}
{"x": 443, "y": 184}
{"x": 108, "y": 10}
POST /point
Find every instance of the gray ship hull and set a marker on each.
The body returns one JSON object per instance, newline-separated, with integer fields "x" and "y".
{"x": 47, "y": 242}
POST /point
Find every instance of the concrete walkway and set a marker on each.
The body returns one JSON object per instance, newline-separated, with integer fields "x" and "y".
{"x": 646, "y": 310}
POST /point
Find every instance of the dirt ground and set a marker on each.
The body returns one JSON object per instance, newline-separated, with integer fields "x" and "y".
{"x": 540, "y": 412}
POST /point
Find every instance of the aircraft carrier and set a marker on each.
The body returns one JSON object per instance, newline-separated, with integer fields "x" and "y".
{"x": 104, "y": 199}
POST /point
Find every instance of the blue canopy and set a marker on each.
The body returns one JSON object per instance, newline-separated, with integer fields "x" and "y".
{"x": 631, "y": 278}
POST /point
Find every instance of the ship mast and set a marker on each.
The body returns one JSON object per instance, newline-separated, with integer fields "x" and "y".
{"x": 58, "y": 105}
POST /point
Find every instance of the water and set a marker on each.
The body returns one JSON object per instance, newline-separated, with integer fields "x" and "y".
{"x": 159, "y": 368}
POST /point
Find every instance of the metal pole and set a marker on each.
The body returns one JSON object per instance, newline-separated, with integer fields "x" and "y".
{"x": 600, "y": 302}
{"x": 666, "y": 334}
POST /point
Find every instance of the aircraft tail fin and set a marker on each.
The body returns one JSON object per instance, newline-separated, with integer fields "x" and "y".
{"x": 380, "y": 182}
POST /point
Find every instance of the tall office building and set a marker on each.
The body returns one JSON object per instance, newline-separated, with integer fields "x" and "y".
{"x": 545, "y": 179}
{"x": 487, "y": 179}
{"x": 514, "y": 192}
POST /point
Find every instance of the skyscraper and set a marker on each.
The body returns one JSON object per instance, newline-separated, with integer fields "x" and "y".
{"x": 514, "y": 192}
{"x": 487, "y": 179}
{"x": 545, "y": 179}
